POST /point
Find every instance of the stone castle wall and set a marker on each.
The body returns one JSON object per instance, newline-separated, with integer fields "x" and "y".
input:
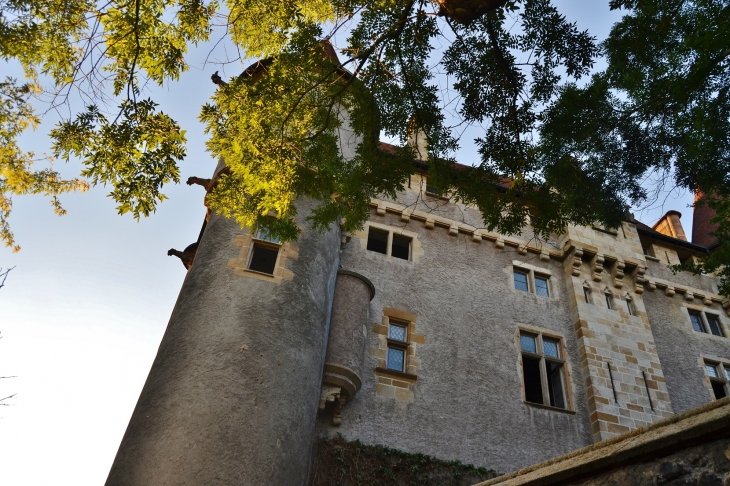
{"x": 465, "y": 397}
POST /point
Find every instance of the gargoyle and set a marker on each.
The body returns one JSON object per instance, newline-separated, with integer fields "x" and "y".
{"x": 187, "y": 256}
{"x": 199, "y": 181}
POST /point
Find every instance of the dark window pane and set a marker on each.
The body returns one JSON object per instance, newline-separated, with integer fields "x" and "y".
{"x": 263, "y": 259}
{"x": 521, "y": 281}
{"x": 541, "y": 286}
{"x": 396, "y": 357}
{"x": 587, "y": 295}
{"x": 555, "y": 384}
{"x": 397, "y": 332}
{"x": 696, "y": 322}
{"x": 378, "y": 241}
{"x": 401, "y": 247}
{"x": 528, "y": 343}
{"x": 550, "y": 348}
{"x": 609, "y": 301}
{"x": 719, "y": 390}
{"x": 533, "y": 384}
{"x": 714, "y": 324}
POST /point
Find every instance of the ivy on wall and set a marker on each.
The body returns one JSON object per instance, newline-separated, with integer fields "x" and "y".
{"x": 341, "y": 463}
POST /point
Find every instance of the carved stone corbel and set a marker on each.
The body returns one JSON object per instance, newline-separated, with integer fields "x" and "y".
{"x": 577, "y": 261}
{"x": 640, "y": 280}
{"x": 618, "y": 274}
{"x": 597, "y": 268}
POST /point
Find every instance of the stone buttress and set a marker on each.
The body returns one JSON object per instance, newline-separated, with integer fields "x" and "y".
{"x": 624, "y": 380}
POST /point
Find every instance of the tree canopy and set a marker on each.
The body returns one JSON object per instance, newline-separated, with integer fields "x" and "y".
{"x": 574, "y": 144}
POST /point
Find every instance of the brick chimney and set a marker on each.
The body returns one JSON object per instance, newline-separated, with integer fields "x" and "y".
{"x": 702, "y": 229}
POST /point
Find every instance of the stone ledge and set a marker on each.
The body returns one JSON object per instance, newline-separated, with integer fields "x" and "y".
{"x": 670, "y": 435}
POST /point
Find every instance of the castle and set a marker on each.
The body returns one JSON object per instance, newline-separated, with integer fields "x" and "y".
{"x": 426, "y": 333}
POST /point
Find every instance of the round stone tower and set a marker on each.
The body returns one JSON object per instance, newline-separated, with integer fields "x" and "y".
{"x": 232, "y": 395}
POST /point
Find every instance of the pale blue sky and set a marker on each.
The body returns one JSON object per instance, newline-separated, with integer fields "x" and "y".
{"x": 86, "y": 306}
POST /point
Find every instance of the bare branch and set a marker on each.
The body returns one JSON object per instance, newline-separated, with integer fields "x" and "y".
{"x": 4, "y": 275}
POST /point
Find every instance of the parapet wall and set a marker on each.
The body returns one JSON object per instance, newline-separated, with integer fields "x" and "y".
{"x": 689, "y": 448}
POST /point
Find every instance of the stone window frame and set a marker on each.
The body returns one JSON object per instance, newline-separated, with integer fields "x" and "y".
{"x": 587, "y": 293}
{"x": 609, "y": 299}
{"x": 247, "y": 241}
{"x": 533, "y": 272}
{"x": 397, "y": 344}
{"x": 391, "y": 383}
{"x": 563, "y": 351}
{"x": 722, "y": 367}
{"x": 631, "y": 305}
{"x": 416, "y": 250}
{"x": 706, "y": 330}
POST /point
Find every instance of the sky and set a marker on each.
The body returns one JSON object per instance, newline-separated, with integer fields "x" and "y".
{"x": 87, "y": 302}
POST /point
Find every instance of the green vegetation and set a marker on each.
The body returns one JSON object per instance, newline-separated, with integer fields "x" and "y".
{"x": 574, "y": 145}
{"x": 341, "y": 463}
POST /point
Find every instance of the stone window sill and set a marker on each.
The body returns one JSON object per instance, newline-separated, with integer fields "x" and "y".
{"x": 397, "y": 374}
{"x": 548, "y": 407}
{"x": 259, "y": 273}
{"x": 651, "y": 258}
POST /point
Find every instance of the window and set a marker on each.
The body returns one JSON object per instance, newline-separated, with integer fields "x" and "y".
{"x": 714, "y": 324}
{"x": 389, "y": 243}
{"x": 432, "y": 190}
{"x": 630, "y": 306}
{"x": 397, "y": 346}
{"x": 378, "y": 241}
{"x": 531, "y": 282}
{"x": 706, "y": 323}
{"x": 609, "y": 300}
{"x": 541, "y": 286}
{"x": 719, "y": 374}
{"x": 401, "y": 247}
{"x": 587, "y": 294}
{"x": 543, "y": 370}
{"x": 521, "y": 281}
{"x": 264, "y": 252}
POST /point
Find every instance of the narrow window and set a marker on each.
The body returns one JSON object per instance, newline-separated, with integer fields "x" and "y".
{"x": 541, "y": 286}
{"x": 696, "y": 320}
{"x": 377, "y": 240}
{"x": 609, "y": 300}
{"x": 587, "y": 295}
{"x": 719, "y": 377}
{"x": 397, "y": 346}
{"x": 521, "y": 281}
{"x": 630, "y": 306}
{"x": 533, "y": 385}
{"x": 714, "y": 324}
{"x": 401, "y": 247}
{"x": 555, "y": 384}
{"x": 542, "y": 370}
{"x": 263, "y": 258}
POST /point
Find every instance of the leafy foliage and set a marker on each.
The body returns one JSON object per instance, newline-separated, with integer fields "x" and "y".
{"x": 663, "y": 104}
{"x": 560, "y": 142}
{"x": 136, "y": 155}
{"x": 17, "y": 174}
{"x": 341, "y": 463}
